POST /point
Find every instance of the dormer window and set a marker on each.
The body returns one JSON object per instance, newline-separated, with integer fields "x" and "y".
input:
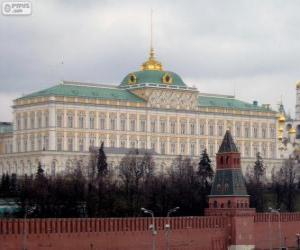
{"x": 132, "y": 79}
{"x": 167, "y": 78}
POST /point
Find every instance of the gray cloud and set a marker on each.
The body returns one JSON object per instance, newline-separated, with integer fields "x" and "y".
{"x": 218, "y": 46}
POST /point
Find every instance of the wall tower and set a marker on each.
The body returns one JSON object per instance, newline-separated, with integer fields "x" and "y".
{"x": 229, "y": 196}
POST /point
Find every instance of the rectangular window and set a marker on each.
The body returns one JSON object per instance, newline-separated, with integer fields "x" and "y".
{"x": 123, "y": 125}
{"x": 182, "y": 128}
{"x": 46, "y": 121}
{"x": 192, "y": 149}
{"x": 102, "y": 123}
{"x": 112, "y": 143}
{"x": 211, "y": 150}
{"x": 255, "y": 132}
{"x": 70, "y": 121}
{"x": 211, "y": 129}
{"x": 272, "y": 132}
{"x": 173, "y": 128}
{"x": 59, "y": 144}
{"x": 18, "y": 125}
{"x": 220, "y": 130}
{"x": 182, "y": 148}
{"x": 264, "y": 133}
{"x": 153, "y": 146}
{"x": 25, "y": 122}
{"x": 92, "y": 122}
{"x": 113, "y": 124}
{"x": 247, "y": 132}
{"x": 143, "y": 126}
{"x": 255, "y": 150}
{"x": 32, "y": 122}
{"x": 123, "y": 144}
{"x": 162, "y": 126}
{"x": 59, "y": 120}
{"x": 273, "y": 151}
{"x": 238, "y": 131}
{"x": 25, "y": 145}
{"x": 18, "y": 146}
{"x": 192, "y": 127}
{"x": 46, "y": 143}
{"x": 81, "y": 144}
{"x": 173, "y": 148}
{"x": 40, "y": 143}
{"x": 143, "y": 145}
{"x": 162, "y": 148}
{"x": 132, "y": 125}
{"x": 70, "y": 144}
{"x": 132, "y": 144}
{"x": 32, "y": 144}
{"x": 39, "y": 122}
{"x": 81, "y": 121}
{"x": 247, "y": 151}
{"x": 92, "y": 142}
{"x": 153, "y": 126}
{"x": 202, "y": 146}
{"x": 202, "y": 129}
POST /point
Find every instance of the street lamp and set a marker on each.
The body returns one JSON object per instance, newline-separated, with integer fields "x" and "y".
{"x": 298, "y": 241}
{"x": 168, "y": 226}
{"x": 152, "y": 226}
{"x": 279, "y": 224}
{"x": 270, "y": 230}
{"x": 27, "y": 211}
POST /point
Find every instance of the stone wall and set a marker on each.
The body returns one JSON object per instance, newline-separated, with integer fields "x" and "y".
{"x": 207, "y": 233}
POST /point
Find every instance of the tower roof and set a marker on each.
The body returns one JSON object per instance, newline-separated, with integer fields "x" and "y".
{"x": 228, "y": 144}
{"x": 229, "y": 182}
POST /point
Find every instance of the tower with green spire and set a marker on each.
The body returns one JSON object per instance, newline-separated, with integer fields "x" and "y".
{"x": 229, "y": 196}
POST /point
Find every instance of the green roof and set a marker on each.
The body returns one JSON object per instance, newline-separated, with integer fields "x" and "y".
{"x": 228, "y": 102}
{"x": 153, "y": 76}
{"x": 6, "y": 127}
{"x": 228, "y": 144}
{"x": 228, "y": 182}
{"x": 87, "y": 91}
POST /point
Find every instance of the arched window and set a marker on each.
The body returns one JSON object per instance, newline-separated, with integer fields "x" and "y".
{"x": 221, "y": 160}
{"x": 215, "y": 204}
{"x": 222, "y": 205}
{"x": 227, "y": 160}
{"x": 237, "y": 205}
{"x": 229, "y": 204}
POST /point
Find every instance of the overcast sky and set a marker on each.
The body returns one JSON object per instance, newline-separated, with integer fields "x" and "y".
{"x": 248, "y": 47}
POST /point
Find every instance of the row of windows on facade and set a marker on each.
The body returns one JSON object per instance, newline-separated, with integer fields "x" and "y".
{"x": 212, "y": 129}
{"x": 43, "y": 144}
{"x": 30, "y": 168}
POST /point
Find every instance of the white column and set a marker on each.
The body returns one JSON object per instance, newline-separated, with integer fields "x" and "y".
{"x": 52, "y": 127}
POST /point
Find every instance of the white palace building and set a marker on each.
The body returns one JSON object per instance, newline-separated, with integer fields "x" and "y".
{"x": 151, "y": 109}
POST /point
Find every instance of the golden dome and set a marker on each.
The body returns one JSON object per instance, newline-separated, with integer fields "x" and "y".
{"x": 152, "y": 64}
{"x": 298, "y": 85}
{"x": 280, "y": 130}
{"x": 292, "y": 131}
{"x": 281, "y": 118}
{"x": 280, "y": 137}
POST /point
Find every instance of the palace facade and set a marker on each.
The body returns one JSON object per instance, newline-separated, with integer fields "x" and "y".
{"x": 151, "y": 109}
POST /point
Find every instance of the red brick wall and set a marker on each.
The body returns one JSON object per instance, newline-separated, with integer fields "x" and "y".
{"x": 207, "y": 233}
{"x": 267, "y": 232}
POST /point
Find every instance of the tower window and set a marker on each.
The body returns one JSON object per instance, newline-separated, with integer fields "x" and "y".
{"x": 215, "y": 204}
{"x": 229, "y": 204}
